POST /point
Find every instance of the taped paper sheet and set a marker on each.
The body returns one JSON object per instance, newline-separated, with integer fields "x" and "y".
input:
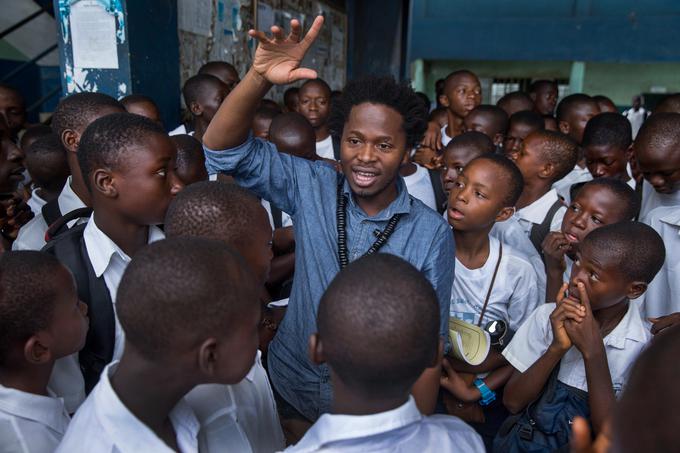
{"x": 93, "y": 31}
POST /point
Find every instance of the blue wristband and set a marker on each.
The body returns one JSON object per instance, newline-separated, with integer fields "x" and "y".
{"x": 488, "y": 395}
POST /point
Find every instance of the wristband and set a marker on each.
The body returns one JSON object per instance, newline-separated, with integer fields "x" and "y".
{"x": 488, "y": 395}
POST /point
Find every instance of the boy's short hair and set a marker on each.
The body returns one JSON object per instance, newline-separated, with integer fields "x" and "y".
{"x": 602, "y": 101}
{"x": 660, "y": 132}
{"x": 213, "y": 210}
{"x": 28, "y": 293}
{"x": 498, "y": 117}
{"x": 569, "y": 103}
{"x": 574, "y": 189}
{"x": 379, "y": 324}
{"x": 189, "y": 150}
{"x": 293, "y": 134}
{"x": 75, "y": 111}
{"x": 538, "y": 84}
{"x": 532, "y": 119}
{"x": 558, "y": 150}
{"x": 108, "y": 138}
{"x": 637, "y": 249}
{"x": 611, "y": 129}
{"x": 670, "y": 104}
{"x": 288, "y": 95}
{"x": 32, "y": 133}
{"x": 46, "y": 162}
{"x": 461, "y": 72}
{"x": 627, "y": 196}
{"x": 136, "y": 99}
{"x": 475, "y": 140}
{"x": 266, "y": 113}
{"x": 195, "y": 87}
{"x": 519, "y": 98}
{"x": 383, "y": 91}
{"x": 179, "y": 291}
{"x": 322, "y": 83}
{"x": 512, "y": 175}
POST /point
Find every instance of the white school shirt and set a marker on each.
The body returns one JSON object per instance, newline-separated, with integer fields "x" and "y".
{"x": 286, "y": 220}
{"x": 242, "y": 416}
{"x": 535, "y": 213}
{"x": 636, "y": 118}
{"x": 622, "y": 346}
{"x": 445, "y": 137}
{"x": 110, "y": 261}
{"x": 651, "y": 199}
{"x": 419, "y": 186}
{"x": 324, "y": 148}
{"x": 510, "y": 232}
{"x": 575, "y": 176}
{"x": 179, "y": 130}
{"x": 36, "y": 202}
{"x": 403, "y": 429}
{"x": 515, "y": 292}
{"x": 104, "y": 424}
{"x": 32, "y": 235}
{"x": 30, "y": 423}
{"x": 663, "y": 294}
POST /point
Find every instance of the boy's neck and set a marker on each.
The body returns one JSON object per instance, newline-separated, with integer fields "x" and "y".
{"x": 348, "y": 402}
{"x": 610, "y": 317}
{"x": 129, "y": 237}
{"x": 136, "y": 383}
{"x": 77, "y": 182}
{"x": 455, "y": 126}
{"x": 472, "y": 247}
{"x": 321, "y": 132}
{"x": 200, "y": 126}
{"x": 407, "y": 169}
{"x": 29, "y": 378}
{"x": 533, "y": 190}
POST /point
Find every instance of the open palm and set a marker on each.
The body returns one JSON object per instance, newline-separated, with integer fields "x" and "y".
{"x": 278, "y": 57}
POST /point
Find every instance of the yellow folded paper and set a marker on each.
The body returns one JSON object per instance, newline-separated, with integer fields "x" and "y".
{"x": 469, "y": 343}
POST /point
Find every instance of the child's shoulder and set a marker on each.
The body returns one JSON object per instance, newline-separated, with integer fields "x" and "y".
{"x": 453, "y": 431}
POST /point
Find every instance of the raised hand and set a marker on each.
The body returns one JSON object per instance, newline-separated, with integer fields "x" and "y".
{"x": 554, "y": 246}
{"x": 278, "y": 57}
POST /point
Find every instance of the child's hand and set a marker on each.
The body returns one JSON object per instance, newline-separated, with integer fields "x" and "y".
{"x": 664, "y": 322}
{"x": 585, "y": 335}
{"x": 16, "y": 214}
{"x": 455, "y": 384}
{"x": 433, "y": 136}
{"x": 278, "y": 58}
{"x": 554, "y": 246}
{"x": 567, "y": 309}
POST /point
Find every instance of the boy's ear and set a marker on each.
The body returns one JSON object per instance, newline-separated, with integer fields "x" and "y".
{"x": 104, "y": 183}
{"x": 443, "y": 100}
{"x": 505, "y": 214}
{"x": 629, "y": 153}
{"x": 636, "y": 290}
{"x": 547, "y": 170}
{"x": 195, "y": 108}
{"x": 70, "y": 139}
{"x": 36, "y": 352}
{"x": 316, "y": 354}
{"x": 564, "y": 127}
{"x": 208, "y": 357}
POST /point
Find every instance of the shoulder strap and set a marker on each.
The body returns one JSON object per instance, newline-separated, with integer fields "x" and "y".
{"x": 539, "y": 232}
{"x": 439, "y": 195}
{"x": 51, "y": 211}
{"x": 493, "y": 280}
{"x": 336, "y": 146}
{"x": 277, "y": 216}
{"x": 60, "y": 225}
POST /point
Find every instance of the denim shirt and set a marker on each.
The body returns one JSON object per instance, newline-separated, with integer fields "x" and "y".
{"x": 308, "y": 192}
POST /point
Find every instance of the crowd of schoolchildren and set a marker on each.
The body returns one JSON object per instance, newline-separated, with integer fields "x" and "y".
{"x": 267, "y": 278}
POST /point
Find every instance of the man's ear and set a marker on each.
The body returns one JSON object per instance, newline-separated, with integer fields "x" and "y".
{"x": 104, "y": 182}
{"x": 443, "y": 100}
{"x": 636, "y": 289}
{"x": 36, "y": 352}
{"x": 316, "y": 354}
{"x": 70, "y": 139}
{"x": 505, "y": 214}
{"x": 564, "y": 127}
{"x": 208, "y": 357}
{"x": 195, "y": 108}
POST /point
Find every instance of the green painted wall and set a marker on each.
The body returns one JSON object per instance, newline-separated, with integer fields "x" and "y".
{"x": 9, "y": 52}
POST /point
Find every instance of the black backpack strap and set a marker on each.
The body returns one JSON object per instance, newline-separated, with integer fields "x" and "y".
{"x": 60, "y": 225}
{"x": 277, "y": 216}
{"x": 440, "y": 198}
{"x": 336, "y": 147}
{"x": 540, "y": 231}
{"x": 70, "y": 250}
{"x": 50, "y": 211}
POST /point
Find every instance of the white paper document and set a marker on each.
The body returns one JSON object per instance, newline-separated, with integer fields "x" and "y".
{"x": 93, "y": 31}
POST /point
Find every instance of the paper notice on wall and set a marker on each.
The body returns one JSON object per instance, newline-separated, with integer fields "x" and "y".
{"x": 93, "y": 32}
{"x": 195, "y": 16}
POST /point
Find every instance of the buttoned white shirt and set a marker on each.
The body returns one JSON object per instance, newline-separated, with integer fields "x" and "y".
{"x": 242, "y": 416}
{"x": 445, "y": 137}
{"x": 32, "y": 235}
{"x": 535, "y": 213}
{"x": 104, "y": 424}
{"x": 651, "y": 199}
{"x": 663, "y": 295}
{"x": 30, "y": 423}
{"x": 622, "y": 346}
{"x": 575, "y": 176}
{"x": 403, "y": 429}
{"x": 111, "y": 261}
{"x": 36, "y": 202}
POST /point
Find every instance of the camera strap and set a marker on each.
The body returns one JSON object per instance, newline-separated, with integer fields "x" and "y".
{"x": 493, "y": 280}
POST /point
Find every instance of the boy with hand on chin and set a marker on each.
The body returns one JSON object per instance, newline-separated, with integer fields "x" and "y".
{"x": 335, "y": 215}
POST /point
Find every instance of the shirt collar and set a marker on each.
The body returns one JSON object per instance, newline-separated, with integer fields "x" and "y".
{"x": 536, "y": 211}
{"x": 333, "y": 428}
{"x": 131, "y": 435}
{"x": 101, "y": 249}
{"x": 672, "y": 217}
{"x": 68, "y": 200}
{"x": 46, "y": 410}
{"x": 400, "y": 205}
{"x": 631, "y": 327}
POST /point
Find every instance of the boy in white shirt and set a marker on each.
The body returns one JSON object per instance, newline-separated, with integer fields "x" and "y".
{"x": 45, "y": 160}
{"x": 41, "y": 320}
{"x": 490, "y": 120}
{"x": 573, "y": 358}
{"x": 378, "y": 332}
{"x": 243, "y": 415}
{"x": 315, "y": 105}
{"x": 657, "y": 151}
{"x": 189, "y": 309}
{"x": 462, "y": 93}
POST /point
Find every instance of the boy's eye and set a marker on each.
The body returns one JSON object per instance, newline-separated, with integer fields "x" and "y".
{"x": 459, "y": 184}
{"x": 593, "y": 276}
{"x": 574, "y": 208}
{"x": 162, "y": 172}
{"x": 596, "y": 220}
{"x": 479, "y": 194}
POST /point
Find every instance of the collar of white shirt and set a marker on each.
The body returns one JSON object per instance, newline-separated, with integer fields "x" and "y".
{"x": 536, "y": 211}
{"x": 672, "y": 218}
{"x": 130, "y": 434}
{"x": 333, "y": 428}
{"x": 68, "y": 200}
{"x": 101, "y": 249}
{"x": 46, "y": 410}
{"x": 631, "y": 327}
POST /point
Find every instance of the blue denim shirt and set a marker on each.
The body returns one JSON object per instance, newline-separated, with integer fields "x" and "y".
{"x": 308, "y": 192}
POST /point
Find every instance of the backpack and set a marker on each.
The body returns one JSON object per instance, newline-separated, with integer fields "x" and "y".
{"x": 70, "y": 250}
{"x": 58, "y": 222}
{"x": 440, "y": 197}
{"x": 540, "y": 231}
